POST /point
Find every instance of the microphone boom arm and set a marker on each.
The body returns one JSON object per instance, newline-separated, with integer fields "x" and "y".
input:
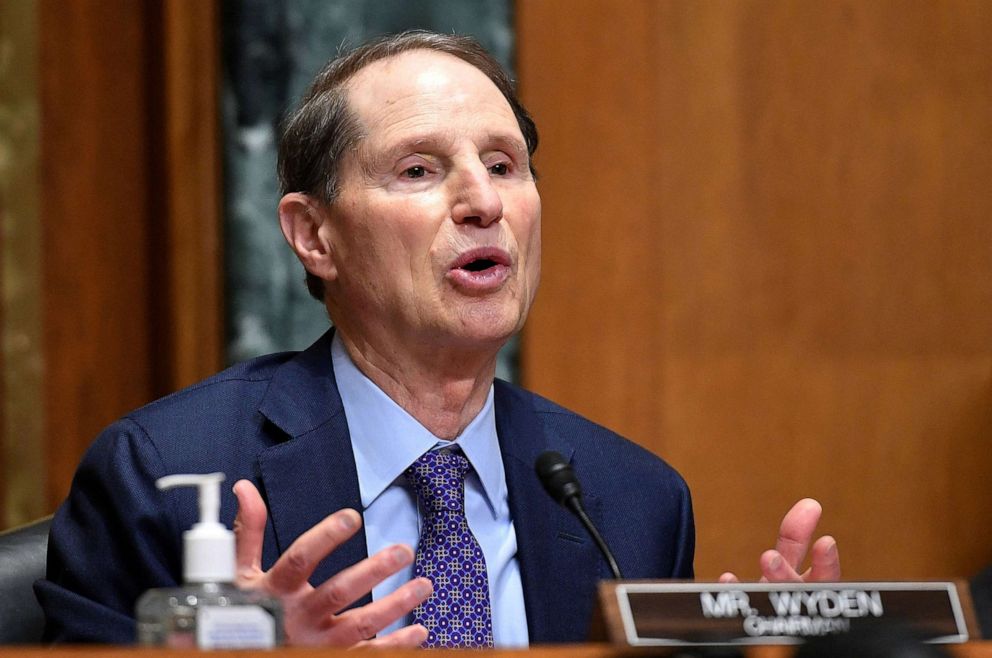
{"x": 573, "y": 503}
{"x": 560, "y": 482}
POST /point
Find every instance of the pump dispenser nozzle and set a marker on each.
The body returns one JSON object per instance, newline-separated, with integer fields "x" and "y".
{"x": 208, "y": 547}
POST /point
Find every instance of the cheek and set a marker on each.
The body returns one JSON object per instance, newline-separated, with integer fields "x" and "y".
{"x": 535, "y": 247}
{"x": 534, "y": 266}
{"x": 535, "y": 255}
{"x": 532, "y": 233}
{"x": 394, "y": 231}
{"x": 416, "y": 234}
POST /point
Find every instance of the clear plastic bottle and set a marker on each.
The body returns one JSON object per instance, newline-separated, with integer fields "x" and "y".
{"x": 208, "y": 611}
{"x": 208, "y": 615}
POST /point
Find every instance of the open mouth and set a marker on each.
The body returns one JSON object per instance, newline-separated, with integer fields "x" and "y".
{"x": 479, "y": 265}
{"x": 481, "y": 259}
{"x": 480, "y": 270}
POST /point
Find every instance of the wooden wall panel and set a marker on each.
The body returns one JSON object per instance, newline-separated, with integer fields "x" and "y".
{"x": 130, "y": 214}
{"x": 96, "y": 177}
{"x": 768, "y": 257}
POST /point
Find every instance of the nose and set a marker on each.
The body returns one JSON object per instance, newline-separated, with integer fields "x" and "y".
{"x": 476, "y": 199}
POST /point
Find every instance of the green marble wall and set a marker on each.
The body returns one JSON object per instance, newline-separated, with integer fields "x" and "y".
{"x": 272, "y": 48}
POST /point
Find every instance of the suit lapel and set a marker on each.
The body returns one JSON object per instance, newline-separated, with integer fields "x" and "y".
{"x": 559, "y": 565}
{"x": 312, "y": 474}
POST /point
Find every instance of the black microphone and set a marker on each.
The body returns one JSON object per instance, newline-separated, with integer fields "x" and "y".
{"x": 560, "y": 482}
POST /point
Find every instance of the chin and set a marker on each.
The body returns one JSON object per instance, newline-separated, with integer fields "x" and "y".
{"x": 488, "y": 327}
{"x": 484, "y": 323}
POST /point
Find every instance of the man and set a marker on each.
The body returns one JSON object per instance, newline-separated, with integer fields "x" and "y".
{"x": 410, "y": 200}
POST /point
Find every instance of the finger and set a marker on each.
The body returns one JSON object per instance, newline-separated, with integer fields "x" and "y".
{"x": 408, "y": 637}
{"x": 249, "y": 528}
{"x": 776, "y": 569}
{"x": 296, "y": 564}
{"x": 796, "y": 531}
{"x": 362, "y": 623}
{"x": 825, "y": 560}
{"x": 351, "y": 584}
{"x": 728, "y": 577}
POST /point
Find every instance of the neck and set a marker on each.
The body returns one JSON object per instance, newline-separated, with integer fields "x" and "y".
{"x": 444, "y": 389}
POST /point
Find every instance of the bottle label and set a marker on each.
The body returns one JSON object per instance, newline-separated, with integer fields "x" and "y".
{"x": 235, "y": 627}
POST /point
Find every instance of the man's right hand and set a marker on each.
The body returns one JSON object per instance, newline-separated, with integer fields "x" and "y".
{"x": 783, "y": 564}
{"x": 313, "y": 615}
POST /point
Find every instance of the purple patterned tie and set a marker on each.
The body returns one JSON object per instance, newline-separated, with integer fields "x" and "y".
{"x": 457, "y": 614}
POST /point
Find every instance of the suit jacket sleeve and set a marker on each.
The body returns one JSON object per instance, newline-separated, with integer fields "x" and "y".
{"x": 113, "y": 539}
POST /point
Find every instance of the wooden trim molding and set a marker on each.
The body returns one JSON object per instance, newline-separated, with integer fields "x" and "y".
{"x": 193, "y": 169}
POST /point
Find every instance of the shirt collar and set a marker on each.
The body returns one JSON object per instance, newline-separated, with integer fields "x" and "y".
{"x": 386, "y": 439}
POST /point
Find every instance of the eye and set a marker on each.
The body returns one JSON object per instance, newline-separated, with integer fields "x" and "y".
{"x": 500, "y": 169}
{"x": 417, "y": 171}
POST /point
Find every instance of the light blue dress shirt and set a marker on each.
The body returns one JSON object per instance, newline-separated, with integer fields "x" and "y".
{"x": 386, "y": 440}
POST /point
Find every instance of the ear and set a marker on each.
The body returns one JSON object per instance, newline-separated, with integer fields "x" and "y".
{"x": 301, "y": 218}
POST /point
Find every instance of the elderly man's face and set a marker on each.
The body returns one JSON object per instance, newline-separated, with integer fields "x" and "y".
{"x": 436, "y": 230}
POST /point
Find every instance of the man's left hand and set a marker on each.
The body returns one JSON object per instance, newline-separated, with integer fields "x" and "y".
{"x": 783, "y": 563}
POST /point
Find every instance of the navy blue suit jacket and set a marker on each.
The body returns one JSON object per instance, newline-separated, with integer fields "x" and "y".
{"x": 278, "y": 421}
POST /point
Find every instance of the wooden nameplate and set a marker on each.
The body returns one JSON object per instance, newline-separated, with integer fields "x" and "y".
{"x": 667, "y": 613}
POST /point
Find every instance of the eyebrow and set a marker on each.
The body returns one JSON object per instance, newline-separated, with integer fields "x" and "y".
{"x": 376, "y": 162}
{"x": 382, "y": 160}
{"x": 512, "y": 143}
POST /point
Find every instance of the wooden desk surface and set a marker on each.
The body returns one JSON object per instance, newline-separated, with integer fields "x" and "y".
{"x": 969, "y": 650}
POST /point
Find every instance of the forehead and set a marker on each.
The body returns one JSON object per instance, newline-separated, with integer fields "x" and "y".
{"x": 424, "y": 89}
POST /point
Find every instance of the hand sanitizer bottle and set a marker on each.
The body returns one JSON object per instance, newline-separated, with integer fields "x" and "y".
{"x": 208, "y": 611}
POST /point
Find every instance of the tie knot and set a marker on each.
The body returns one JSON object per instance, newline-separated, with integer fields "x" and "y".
{"x": 438, "y": 477}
